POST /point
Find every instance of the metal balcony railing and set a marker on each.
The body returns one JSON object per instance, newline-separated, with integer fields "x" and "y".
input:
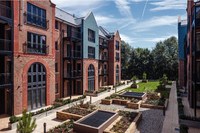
{"x": 35, "y": 48}
{"x": 103, "y": 72}
{"x": 5, "y": 79}
{"x": 74, "y": 74}
{"x": 74, "y": 34}
{"x": 74, "y": 54}
{"x": 5, "y": 11}
{"x": 5, "y": 45}
{"x": 104, "y": 58}
{"x": 117, "y": 58}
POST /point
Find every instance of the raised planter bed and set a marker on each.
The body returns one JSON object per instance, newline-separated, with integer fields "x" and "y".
{"x": 106, "y": 101}
{"x": 119, "y": 101}
{"x": 66, "y": 127}
{"x": 95, "y": 122}
{"x": 66, "y": 116}
{"x": 134, "y": 105}
{"x": 73, "y": 113}
{"x": 118, "y": 126}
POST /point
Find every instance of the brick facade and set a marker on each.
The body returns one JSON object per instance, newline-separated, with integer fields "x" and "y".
{"x": 86, "y": 63}
{"x": 23, "y": 61}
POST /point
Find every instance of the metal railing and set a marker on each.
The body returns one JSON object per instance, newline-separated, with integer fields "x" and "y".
{"x": 5, "y": 11}
{"x": 74, "y": 34}
{"x": 103, "y": 57}
{"x": 35, "y": 48}
{"x": 73, "y": 74}
{"x": 5, "y": 79}
{"x": 5, "y": 45}
{"x": 74, "y": 54}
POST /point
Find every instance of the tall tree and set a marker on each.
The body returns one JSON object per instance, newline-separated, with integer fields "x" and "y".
{"x": 125, "y": 58}
{"x": 163, "y": 59}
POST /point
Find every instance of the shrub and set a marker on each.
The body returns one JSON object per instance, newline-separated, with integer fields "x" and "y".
{"x": 26, "y": 124}
{"x": 144, "y": 76}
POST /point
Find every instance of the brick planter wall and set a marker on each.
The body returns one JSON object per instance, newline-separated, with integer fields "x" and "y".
{"x": 65, "y": 116}
{"x": 106, "y": 101}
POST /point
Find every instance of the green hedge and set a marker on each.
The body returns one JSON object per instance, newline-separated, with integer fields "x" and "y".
{"x": 59, "y": 103}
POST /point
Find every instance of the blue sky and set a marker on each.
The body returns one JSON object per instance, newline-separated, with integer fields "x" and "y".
{"x": 141, "y": 23}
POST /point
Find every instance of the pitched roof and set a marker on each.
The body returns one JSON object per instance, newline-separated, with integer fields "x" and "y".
{"x": 69, "y": 18}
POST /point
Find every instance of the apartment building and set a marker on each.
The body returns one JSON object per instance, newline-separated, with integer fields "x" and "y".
{"x": 47, "y": 53}
{"x": 182, "y": 31}
{"x": 193, "y": 54}
{"x": 27, "y": 54}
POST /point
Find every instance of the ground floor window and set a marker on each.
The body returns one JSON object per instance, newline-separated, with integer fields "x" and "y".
{"x": 36, "y": 86}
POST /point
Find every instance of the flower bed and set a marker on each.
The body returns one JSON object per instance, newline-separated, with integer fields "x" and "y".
{"x": 66, "y": 127}
{"x": 126, "y": 123}
{"x": 73, "y": 113}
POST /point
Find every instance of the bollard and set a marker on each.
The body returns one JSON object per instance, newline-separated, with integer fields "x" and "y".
{"x": 90, "y": 99}
{"x": 44, "y": 127}
{"x": 164, "y": 111}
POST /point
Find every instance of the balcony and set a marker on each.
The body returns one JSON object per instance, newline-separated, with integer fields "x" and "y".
{"x": 75, "y": 54}
{"x": 5, "y": 46}
{"x": 103, "y": 45}
{"x": 36, "y": 20}
{"x": 35, "y": 48}
{"x": 73, "y": 34}
{"x": 73, "y": 74}
{"x": 5, "y": 11}
{"x": 5, "y": 79}
{"x": 103, "y": 72}
{"x": 117, "y": 59}
{"x": 103, "y": 58}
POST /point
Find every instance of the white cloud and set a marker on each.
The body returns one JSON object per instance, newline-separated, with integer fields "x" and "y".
{"x": 169, "y": 4}
{"x": 123, "y": 7}
{"x": 127, "y": 38}
{"x": 155, "y": 22}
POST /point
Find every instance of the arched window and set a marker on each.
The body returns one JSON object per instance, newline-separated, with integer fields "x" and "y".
{"x": 117, "y": 74}
{"x": 36, "y": 86}
{"x": 91, "y": 75}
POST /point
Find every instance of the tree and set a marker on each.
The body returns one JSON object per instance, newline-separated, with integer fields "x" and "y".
{"x": 163, "y": 59}
{"x": 26, "y": 124}
{"x": 125, "y": 59}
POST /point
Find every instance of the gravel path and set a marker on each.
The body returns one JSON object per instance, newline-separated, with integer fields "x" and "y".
{"x": 152, "y": 119}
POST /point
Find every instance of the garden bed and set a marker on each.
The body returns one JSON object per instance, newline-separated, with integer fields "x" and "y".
{"x": 106, "y": 101}
{"x": 95, "y": 122}
{"x": 126, "y": 123}
{"x": 73, "y": 113}
{"x": 119, "y": 101}
{"x": 134, "y": 104}
{"x": 66, "y": 127}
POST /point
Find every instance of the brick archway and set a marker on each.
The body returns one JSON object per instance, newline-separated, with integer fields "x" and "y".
{"x": 25, "y": 81}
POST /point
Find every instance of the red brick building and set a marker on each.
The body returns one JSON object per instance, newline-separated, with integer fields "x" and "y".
{"x": 47, "y": 53}
{"x": 32, "y": 55}
{"x": 193, "y": 54}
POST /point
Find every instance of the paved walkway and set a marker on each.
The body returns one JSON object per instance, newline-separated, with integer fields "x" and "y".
{"x": 51, "y": 120}
{"x": 171, "y": 119}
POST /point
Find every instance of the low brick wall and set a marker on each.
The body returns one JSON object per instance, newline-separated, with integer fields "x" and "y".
{"x": 106, "y": 101}
{"x": 151, "y": 106}
{"x": 133, "y": 105}
{"x": 64, "y": 116}
{"x": 119, "y": 102}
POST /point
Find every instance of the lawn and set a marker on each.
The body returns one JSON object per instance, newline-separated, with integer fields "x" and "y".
{"x": 143, "y": 87}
